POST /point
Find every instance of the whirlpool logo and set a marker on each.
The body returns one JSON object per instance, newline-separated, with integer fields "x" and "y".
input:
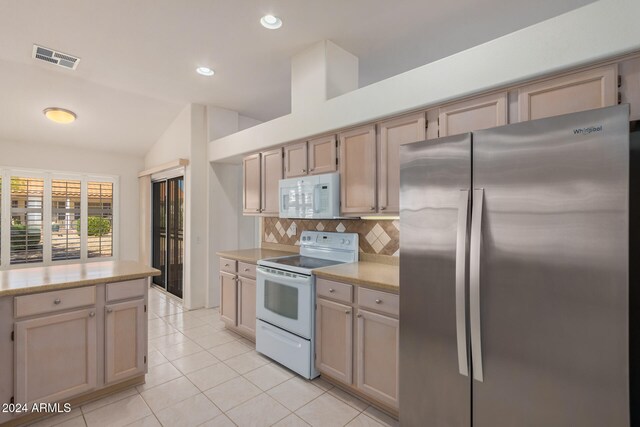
{"x": 587, "y": 130}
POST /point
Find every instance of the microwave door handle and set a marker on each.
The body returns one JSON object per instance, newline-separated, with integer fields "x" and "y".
{"x": 316, "y": 199}
{"x": 285, "y": 202}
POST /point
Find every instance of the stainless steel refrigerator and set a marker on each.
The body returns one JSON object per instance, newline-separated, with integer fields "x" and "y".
{"x": 514, "y": 275}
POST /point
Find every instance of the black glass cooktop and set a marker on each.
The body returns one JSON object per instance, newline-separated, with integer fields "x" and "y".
{"x": 305, "y": 262}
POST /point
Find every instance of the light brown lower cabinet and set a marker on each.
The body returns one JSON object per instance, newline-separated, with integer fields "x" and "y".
{"x": 125, "y": 340}
{"x": 362, "y": 355}
{"x": 334, "y": 340}
{"x": 247, "y": 305}
{"x": 55, "y": 356}
{"x": 238, "y": 297}
{"x": 377, "y": 356}
{"x": 70, "y": 343}
{"x": 228, "y": 298}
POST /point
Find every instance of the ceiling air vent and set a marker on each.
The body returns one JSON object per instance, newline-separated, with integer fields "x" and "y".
{"x": 54, "y": 57}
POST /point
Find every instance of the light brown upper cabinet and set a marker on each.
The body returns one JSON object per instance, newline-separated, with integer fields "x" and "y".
{"x": 322, "y": 155}
{"x": 295, "y": 160}
{"x": 314, "y": 157}
{"x": 474, "y": 114}
{"x": 391, "y": 134}
{"x": 358, "y": 171}
{"x": 581, "y": 91}
{"x": 251, "y": 184}
{"x": 271, "y": 174}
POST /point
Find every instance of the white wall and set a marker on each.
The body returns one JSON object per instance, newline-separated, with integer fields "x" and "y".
{"x": 196, "y": 234}
{"x": 186, "y": 138}
{"x": 228, "y": 229}
{"x": 68, "y": 159}
{"x": 209, "y": 217}
{"x": 174, "y": 143}
{"x": 600, "y": 30}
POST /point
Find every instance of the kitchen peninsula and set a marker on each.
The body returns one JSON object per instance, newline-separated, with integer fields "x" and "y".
{"x": 73, "y": 333}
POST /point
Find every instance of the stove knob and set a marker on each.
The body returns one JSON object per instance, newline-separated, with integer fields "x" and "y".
{"x": 346, "y": 241}
{"x": 343, "y": 241}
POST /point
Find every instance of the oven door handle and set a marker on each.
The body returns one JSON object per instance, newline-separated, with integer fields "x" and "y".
{"x": 284, "y": 279}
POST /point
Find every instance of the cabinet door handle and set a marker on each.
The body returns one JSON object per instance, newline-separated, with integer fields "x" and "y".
{"x": 347, "y": 312}
{"x": 372, "y": 208}
{"x": 92, "y": 313}
{"x": 304, "y": 170}
{"x": 331, "y": 290}
{"x": 378, "y": 301}
{"x": 109, "y": 310}
{"x": 382, "y": 208}
{"x": 359, "y": 316}
{"x": 57, "y": 301}
{"x": 257, "y": 210}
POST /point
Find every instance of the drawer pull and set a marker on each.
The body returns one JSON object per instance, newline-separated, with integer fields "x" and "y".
{"x": 92, "y": 313}
{"x": 109, "y": 310}
{"x": 359, "y": 315}
{"x": 378, "y": 301}
{"x": 347, "y": 312}
{"x": 331, "y": 290}
{"x": 246, "y": 269}
{"x": 226, "y": 265}
{"x": 56, "y": 301}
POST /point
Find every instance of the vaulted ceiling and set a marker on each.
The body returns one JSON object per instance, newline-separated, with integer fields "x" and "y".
{"x": 138, "y": 58}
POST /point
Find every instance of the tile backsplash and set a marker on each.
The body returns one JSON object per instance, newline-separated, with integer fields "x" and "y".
{"x": 380, "y": 237}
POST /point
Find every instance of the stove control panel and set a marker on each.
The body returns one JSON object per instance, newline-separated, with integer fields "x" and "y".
{"x": 319, "y": 239}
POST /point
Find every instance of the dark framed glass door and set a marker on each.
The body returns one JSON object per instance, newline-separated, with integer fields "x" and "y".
{"x": 168, "y": 234}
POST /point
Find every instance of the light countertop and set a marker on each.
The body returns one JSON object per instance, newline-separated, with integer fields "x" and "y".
{"x": 41, "y": 279}
{"x": 375, "y": 275}
{"x": 252, "y": 255}
{"x": 385, "y": 277}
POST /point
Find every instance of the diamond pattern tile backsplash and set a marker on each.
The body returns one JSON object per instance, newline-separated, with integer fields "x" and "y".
{"x": 375, "y": 237}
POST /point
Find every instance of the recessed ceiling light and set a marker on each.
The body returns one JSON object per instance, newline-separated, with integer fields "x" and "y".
{"x": 205, "y": 71}
{"x": 60, "y": 115}
{"x": 271, "y": 22}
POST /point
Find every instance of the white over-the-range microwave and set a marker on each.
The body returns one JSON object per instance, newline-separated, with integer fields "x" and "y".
{"x": 315, "y": 196}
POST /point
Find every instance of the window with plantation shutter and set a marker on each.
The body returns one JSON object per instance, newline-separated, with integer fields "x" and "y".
{"x": 100, "y": 219}
{"x": 50, "y": 218}
{"x": 65, "y": 219}
{"x": 27, "y": 197}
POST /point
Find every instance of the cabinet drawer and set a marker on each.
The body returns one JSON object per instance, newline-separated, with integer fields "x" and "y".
{"x": 125, "y": 290}
{"x": 228, "y": 265}
{"x": 379, "y": 301}
{"x": 48, "y": 302}
{"x": 335, "y": 290}
{"x": 247, "y": 270}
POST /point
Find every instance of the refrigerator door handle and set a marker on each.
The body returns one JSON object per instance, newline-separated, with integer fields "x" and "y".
{"x": 461, "y": 261}
{"x": 474, "y": 283}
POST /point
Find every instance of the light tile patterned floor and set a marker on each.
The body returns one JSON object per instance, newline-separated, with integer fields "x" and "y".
{"x": 203, "y": 375}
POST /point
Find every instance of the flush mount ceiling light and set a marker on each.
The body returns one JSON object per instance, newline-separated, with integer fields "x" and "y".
{"x": 205, "y": 71}
{"x": 60, "y": 115}
{"x": 271, "y": 22}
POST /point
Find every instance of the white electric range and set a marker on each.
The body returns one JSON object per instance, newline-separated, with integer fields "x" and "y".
{"x": 286, "y": 298}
